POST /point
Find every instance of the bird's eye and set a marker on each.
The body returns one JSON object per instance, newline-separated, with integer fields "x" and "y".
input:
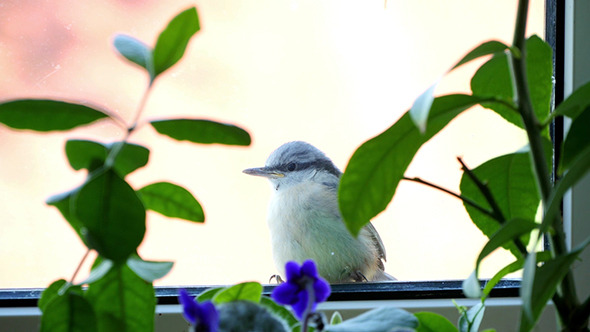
{"x": 291, "y": 167}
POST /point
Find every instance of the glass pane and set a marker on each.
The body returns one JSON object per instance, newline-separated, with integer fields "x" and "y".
{"x": 332, "y": 73}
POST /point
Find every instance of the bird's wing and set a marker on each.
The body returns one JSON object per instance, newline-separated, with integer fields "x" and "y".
{"x": 377, "y": 241}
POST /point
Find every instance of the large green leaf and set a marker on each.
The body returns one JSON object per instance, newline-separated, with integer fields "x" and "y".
{"x": 471, "y": 319}
{"x": 135, "y": 51}
{"x": 246, "y": 291}
{"x": 432, "y": 322}
{"x": 494, "y": 79}
{"x": 173, "y": 40}
{"x": 172, "y": 201}
{"x": 382, "y": 319}
{"x": 66, "y": 310}
{"x": 280, "y": 311}
{"x": 376, "y": 167}
{"x": 123, "y": 301}
{"x": 90, "y": 155}
{"x": 202, "y": 131}
{"x": 47, "y": 115}
{"x": 111, "y": 214}
{"x": 511, "y": 182}
{"x": 576, "y": 141}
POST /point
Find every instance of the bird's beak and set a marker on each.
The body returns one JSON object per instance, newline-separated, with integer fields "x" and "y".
{"x": 264, "y": 172}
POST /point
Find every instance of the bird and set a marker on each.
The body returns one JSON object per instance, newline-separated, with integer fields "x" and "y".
{"x": 305, "y": 222}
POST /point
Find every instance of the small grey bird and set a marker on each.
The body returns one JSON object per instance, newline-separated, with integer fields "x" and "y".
{"x": 305, "y": 221}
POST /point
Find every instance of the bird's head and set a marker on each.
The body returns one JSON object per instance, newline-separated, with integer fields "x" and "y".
{"x": 296, "y": 162}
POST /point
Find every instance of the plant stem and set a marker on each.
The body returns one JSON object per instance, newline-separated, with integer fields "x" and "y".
{"x": 463, "y": 198}
{"x": 110, "y": 160}
{"x": 79, "y": 266}
{"x": 309, "y": 309}
{"x": 541, "y": 170}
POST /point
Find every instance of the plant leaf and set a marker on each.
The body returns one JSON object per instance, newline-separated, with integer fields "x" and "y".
{"x": 135, "y": 51}
{"x": 471, "y": 319}
{"x": 202, "y": 131}
{"x": 376, "y": 167}
{"x": 516, "y": 199}
{"x": 382, "y": 319}
{"x": 538, "y": 287}
{"x": 471, "y": 286}
{"x": 148, "y": 270}
{"x": 280, "y": 311}
{"x": 172, "y": 201}
{"x": 246, "y": 291}
{"x": 573, "y": 105}
{"x": 90, "y": 155}
{"x": 112, "y": 216}
{"x": 173, "y": 40}
{"x": 209, "y": 293}
{"x": 47, "y": 115}
{"x": 487, "y": 48}
{"x": 576, "y": 141}
{"x": 432, "y": 322}
{"x": 123, "y": 301}
{"x": 577, "y": 170}
{"x": 50, "y": 293}
{"x": 62, "y": 202}
{"x": 493, "y": 79}
{"x": 100, "y": 269}
{"x": 67, "y": 310}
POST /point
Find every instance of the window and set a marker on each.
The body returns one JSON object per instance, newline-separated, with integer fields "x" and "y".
{"x": 330, "y": 73}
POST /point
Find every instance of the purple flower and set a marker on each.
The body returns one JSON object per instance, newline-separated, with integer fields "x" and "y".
{"x": 304, "y": 288}
{"x": 203, "y": 316}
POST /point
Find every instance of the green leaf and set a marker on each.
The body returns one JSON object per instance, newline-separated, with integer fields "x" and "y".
{"x": 471, "y": 319}
{"x": 518, "y": 264}
{"x": 577, "y": 170}
{"x": 202, "y": 131}
{"x": 493, "y": 79}
{"x": 516, "y": 199}
{"x": 172, "y": 201}
{"x": 576, "y": 141}
{"x": 209, "y": 294}
{"x": 374, "y": 171}
{"x": 487, "y": 48}
{"x": 246, "y": 291}
{"x": 382, "y": 319}
{"x": 66, "y": 309}
{"x": 47, "y": 115}
{"x": 135, "y": 51}
{"x": 148, "y": 270}
{"x": 112, "y": 215}
{"x": 90, "y": 155}
{"x": 539, "y": 62}
{"x": 173, "y": 41}
{"x": 576, "y": 103}
{"x": 511, "y": 230}
{"x": 431, "y": 322}
{"x": 541, "y": 283}
{"x": 123, "y": 301}
{"x": 50, "y": 293}
{"x": 280, "y": 311}
{"x": 336, "y": 318}
{"x": 62, "y": 202}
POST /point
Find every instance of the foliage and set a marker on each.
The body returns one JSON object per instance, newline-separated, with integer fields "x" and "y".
{"x": 503, "y": 194}
{"x": 106, "y": 212}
